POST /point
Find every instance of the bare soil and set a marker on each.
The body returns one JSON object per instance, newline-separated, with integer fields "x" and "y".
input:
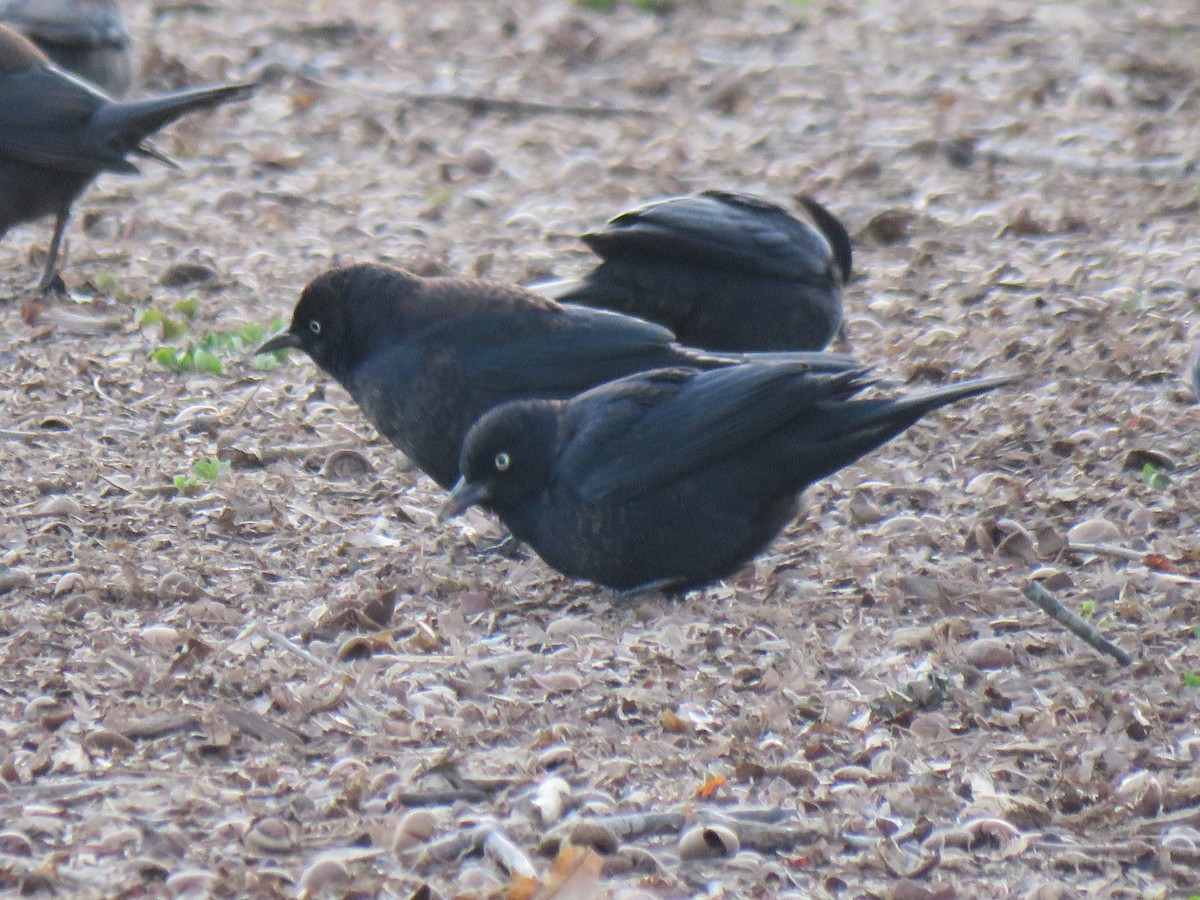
{"x": 246, "y": 688}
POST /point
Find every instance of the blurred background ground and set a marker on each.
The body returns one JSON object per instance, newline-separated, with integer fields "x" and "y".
{"x": 238, "y": 682}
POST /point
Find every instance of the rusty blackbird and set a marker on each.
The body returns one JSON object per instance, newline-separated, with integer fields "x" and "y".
{"x": 676, "y": 477}
{"x": 724, "y": 271}
{"x": 57, "y": 133}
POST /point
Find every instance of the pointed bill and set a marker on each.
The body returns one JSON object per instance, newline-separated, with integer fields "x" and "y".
{"x": 464, "y": 495}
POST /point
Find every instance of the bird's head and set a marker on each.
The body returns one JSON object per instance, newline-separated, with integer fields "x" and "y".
{"x": 344, "y": 314}
{"x": 507, "y": 457}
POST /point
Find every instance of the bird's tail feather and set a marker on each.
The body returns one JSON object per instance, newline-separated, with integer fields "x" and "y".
{"x": 132, "y": 121}
{"x": 904, "y": 411}
{"x": 835, "y": 233}
{"x": 857, "y": 427}
{"x": 818, "y": 361}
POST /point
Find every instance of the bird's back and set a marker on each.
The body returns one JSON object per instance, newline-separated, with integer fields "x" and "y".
{"x": 723, "y": 271}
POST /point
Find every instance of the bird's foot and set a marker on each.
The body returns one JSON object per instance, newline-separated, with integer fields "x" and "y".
{"x": 39, "y": 290}
{"x": 53, "y": 284}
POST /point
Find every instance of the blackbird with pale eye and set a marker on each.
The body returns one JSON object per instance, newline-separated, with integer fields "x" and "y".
{"x": 724, "y": 271}
{"x": 674, "y": 478}
{"x": 57, "y": 133}
{"x": 425, "y": 357}
{"x": 85, "y": 37}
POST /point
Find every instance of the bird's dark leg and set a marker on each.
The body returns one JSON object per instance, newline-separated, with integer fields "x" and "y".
{"x": 51, "y": 280}
{"x": 841, "y": 338}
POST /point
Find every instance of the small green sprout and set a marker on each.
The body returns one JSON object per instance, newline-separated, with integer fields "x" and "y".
{"x": 192, "y": 358}
{"x": 189, "y": 308}
{"x": 1155, "y": 477}
{"x": 172, "y": 329}
{"x": 209, "y": 353}
{"x": 208, "y": 470}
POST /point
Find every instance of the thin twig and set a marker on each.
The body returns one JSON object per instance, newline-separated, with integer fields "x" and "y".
{"x": 764, "y": 829}
{"x": 1122, "y": 850}
{"x": 481, "y": 103}
{"x": 1138, "y": 556}
{"x": 295, "y": 649}
{"x": 766, "y": 815}
{"x": 346, "y": 680}
{"x": 632, "y": 825}
{"x": 456, "y": 846}
{"x": 1042, "y": 598}
{"x": 1106, "y": 550}
{"x": 1166, "y": 167}
{"x": 1178, "y": 167}
{"x": 441, "y": 797}
{"x": 764, "y": 837}
{"x": 1188, "y": 815}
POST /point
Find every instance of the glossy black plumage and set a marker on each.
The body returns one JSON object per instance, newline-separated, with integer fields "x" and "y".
{"x": 724, "y": 271}
{"x": 57, "y": 133}
{"x": 675, "y": 478}
{"x": 425, "y": 357}
{"x": 86, "y": 37}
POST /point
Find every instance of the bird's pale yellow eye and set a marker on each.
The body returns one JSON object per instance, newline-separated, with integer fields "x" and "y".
{"x": 502, "y": 461}
{"x": 314, "y": 326}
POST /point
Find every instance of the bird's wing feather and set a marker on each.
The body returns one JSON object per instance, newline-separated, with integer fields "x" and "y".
{"x": 44, "y": 114}
{"x": 732, "y": 231}
{"x": 553, "y": 356}
{"x": 659, "y": 426}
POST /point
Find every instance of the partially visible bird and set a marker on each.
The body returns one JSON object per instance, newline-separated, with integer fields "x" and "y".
{"x": 675, "y": 478}
{"x": 724, "y": 271}
{"x": 1193, "y": 368}
{"x": 425, "y": 357}
{"x": 85, "y": 37}
{"x": 57, "y": 133}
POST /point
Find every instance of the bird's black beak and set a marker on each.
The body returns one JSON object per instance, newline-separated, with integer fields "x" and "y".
{"x": 285, "y": 340}
{"x": 464, "y": 495}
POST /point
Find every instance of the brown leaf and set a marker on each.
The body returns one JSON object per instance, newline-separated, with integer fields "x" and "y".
{"x": 711, "y": 785}
{"x": 575, "y": 875}
{"x": 1024, "y": 224}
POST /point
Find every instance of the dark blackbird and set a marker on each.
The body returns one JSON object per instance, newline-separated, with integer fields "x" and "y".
{"x": 85, "y": 37}
{"x": 425, "y": 357}
{"x": 1194, "y": 370}
{"x": 674, "y": 478}
{"x": 724, "y": 271}
{"x": 57, "y": 133}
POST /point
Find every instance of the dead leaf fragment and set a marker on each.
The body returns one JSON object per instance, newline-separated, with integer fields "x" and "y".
{"x": 1094, "y": 531}
{"x": 890, "y": 226}
{"x": 1024, "y": 224}
{"x": 989, "y": 653}
{"x": 708, "y": 841}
